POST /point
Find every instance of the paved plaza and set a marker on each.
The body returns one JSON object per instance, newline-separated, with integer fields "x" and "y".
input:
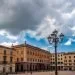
{"x": 48, "y": 73}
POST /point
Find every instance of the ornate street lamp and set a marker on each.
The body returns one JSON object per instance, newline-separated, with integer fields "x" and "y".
{"x": 54, "y": 39}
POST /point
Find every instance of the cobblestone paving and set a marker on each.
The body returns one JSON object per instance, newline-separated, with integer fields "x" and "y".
{"x": 48, "y": 73}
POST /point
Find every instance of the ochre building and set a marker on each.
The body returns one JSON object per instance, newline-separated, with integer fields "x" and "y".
{"x": 30, "y": 58}
{"x": 65, "y": 61}
{"x": 69, "y": 61}
{"x": 24, "y": 57}
{"x": 60, "y": 60}
{"x": 7, "y": 59}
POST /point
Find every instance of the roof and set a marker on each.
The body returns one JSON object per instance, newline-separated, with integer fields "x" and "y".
{"x": 30, "y": 46}
{"x": 69, "y": 53}
{"x": 37, "y": 48}
{"x": 1, "y": 46}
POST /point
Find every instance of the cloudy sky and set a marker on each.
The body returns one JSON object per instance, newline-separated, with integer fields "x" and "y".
{"x": 33, "y": 20}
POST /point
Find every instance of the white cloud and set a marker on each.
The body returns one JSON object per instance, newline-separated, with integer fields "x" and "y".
{"x": 33, "y": 34}
{"x": 69, "y": 42}
{"x": 73, "y": 28}
{"x": 8, "y": 35}
{"x": 45, "y": 48}
{"x": 12, "y": 37}
{"x": 3, "y": 32}
{"x": 46, "y": 27}
{"x": 68, "y": 15}
{"x": 9, "y": 44}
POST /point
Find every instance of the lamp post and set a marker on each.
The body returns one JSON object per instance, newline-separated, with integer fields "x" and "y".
{"x": 54, "y": 39}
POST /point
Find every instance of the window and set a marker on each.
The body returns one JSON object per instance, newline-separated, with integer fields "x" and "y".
{"x": 70, "y": 64}
{"x": 65, "y": 64}
{"x": 4, "y": 52}
{"x": 11, "y": 59}
{"x": 70, "y": 61}
{"x": 33, "y": 60}
{"x": 4, "y": 59}
{"x": 69, "y": 56}
{"x": 53, "y": 62}
{"x": 61, "y": 62}
{"x": 65, "y": 56}
{"x": 53, "y": 59}
{"x": 21, "y": 59}
{"x": 40, "y": 60}
{"x": 58, "y": 62}
{"x": 58, "y": 55}
{"x": 65, "y": 60}
{"x": 4, "y": 69}
{"x": 10, "y": 69}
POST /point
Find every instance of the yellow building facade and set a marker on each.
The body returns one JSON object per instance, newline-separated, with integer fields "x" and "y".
{"x": 65, "y": 61}
{"x": 60, "y": 60}
{"x": 7, "y": 59}
{"x": 31, "y": 58}
{"x": 24, "y": 57}
{"x": 69, "y": 61}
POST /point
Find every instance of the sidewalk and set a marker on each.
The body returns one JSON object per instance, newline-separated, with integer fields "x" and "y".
{"x": 48, "y": 73}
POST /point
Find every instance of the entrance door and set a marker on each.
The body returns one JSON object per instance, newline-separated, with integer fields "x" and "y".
{"x": 70, "y": 69}
{"x": 10, "y": 69}
{"x": 21, "y": 68}
{"x": 4, "y": 69}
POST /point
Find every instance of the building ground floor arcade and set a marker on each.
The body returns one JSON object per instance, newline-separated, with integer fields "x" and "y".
{"x": 21, "y": 67}
{"x": 25, "y": 66}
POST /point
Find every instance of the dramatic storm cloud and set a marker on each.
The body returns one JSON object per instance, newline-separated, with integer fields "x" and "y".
{"x": 19, "y": 15}
{"x": 34, "y": 20}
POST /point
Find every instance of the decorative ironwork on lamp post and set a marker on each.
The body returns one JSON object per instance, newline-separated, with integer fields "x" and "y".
{"x": 54, "y": 39}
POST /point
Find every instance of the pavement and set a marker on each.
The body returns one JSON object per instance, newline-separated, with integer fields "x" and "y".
{"x": 47, "y": 73}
